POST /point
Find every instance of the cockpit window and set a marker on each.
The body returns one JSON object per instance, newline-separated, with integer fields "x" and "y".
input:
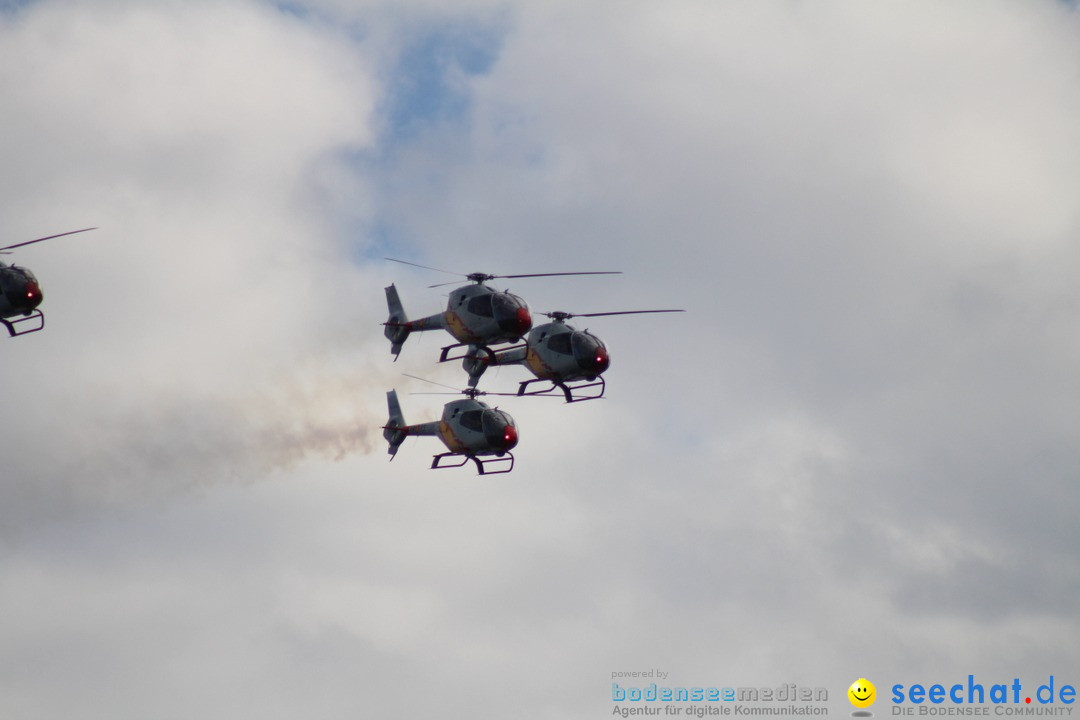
{"x": 481, "y": 305}
{"x": 13, "y": 279}
{"x": 473, "y": 420}
{"x": 560, "y": 343}
{"x": 504, "y": 305}
{"x": 495, "y": 422}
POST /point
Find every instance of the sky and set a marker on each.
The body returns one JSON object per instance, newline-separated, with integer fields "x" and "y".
{"x": 855, "y": 455}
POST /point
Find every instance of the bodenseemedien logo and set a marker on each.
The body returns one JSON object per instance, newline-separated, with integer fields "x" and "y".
{"x": 786, "y": 700}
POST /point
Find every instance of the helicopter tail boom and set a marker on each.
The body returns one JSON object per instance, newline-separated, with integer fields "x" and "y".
{"x": 396, "y": 430}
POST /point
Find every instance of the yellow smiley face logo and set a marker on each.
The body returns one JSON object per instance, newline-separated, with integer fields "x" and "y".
{"x": 862, "y": 693}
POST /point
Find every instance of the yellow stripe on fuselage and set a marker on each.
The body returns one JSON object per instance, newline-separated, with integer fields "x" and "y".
{"x": 456, "y": 327}
{"x": 538, "y": 367}
{"x": 450, "y": 440}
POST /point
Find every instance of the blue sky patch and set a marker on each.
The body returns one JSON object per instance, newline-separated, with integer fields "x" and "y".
{"x": 427, "y": 85}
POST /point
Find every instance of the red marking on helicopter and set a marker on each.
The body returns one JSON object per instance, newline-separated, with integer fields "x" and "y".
{"x": 522, "y": 321}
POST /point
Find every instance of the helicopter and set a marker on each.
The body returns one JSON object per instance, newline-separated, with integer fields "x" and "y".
{"x": 475, "y": 314}
{"x": 20, "y": 293}
{"x": 555, "y": 352}
{"x": 470, "y": 430}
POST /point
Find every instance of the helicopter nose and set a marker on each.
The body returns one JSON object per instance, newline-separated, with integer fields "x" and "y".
{"x": 518, "y": 323}
{"x": 509, "y": 438}
{"x": 523, "y": 320}
{"x": 600, "y": 360}
{"x": 33, "y": 293}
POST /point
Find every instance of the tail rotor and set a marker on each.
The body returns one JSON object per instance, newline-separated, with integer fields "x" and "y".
{"x": 394, "y": 429}
{"x": 397, "y": 324}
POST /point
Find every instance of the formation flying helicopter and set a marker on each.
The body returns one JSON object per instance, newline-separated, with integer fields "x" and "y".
{"x": 470, "y": 430}
{"x": 20, "y": 292}
{"x": 555, "y": 352}
{"x": 479, "y": 317}
{"x": 475, "y": 314}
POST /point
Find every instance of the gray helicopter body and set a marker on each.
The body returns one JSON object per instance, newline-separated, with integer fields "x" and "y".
{"x": 470, "y": 430}
{"x": 20, "y": 292}
{"x": 475, "y": 315}
{"x": 557, "y": 353}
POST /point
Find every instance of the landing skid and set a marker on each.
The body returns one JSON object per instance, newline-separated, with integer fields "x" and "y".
{"x": 13, "y": 331}
{"x": 568, "y": 390}
{"x": 444, "y": 356}
{"x": 481, "y": 465}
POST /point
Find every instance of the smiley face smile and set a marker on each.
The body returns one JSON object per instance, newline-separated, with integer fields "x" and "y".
{"x": 862, "y": 693}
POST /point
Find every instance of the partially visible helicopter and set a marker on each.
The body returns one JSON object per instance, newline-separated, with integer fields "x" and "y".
{"x": 475, "y": 314}
{"x": 470, "y": 430}
{"x": 555, "y": 352}
{"x": 20, "y": 293}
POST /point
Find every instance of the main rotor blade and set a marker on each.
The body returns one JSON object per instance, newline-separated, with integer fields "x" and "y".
{"x": 567, "y": 316}
{"x": 626, "y": 312}
{"x": 416, "y": 377}
{"x": 599, "y": 272}
{"x": 433, "y": 392}
{"x": 425, "y": 267}
{"x": 50, "y": 237}
{"x": 479, "y": 393}
{"x": 484, "y": 277}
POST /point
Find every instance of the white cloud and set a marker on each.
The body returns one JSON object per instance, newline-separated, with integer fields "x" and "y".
{"x": 201, "y": 311}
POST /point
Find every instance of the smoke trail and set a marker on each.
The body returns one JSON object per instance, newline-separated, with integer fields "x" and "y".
{"x": 304, "y": 417}
{"x": 111, "y": 451}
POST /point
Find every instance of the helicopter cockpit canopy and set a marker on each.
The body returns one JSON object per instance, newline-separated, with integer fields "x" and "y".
{"x": 589, "y": 351}
{"x": 20, "y": 286}
{"x": 511, "y": 313}
{"x": 498, "y": 427}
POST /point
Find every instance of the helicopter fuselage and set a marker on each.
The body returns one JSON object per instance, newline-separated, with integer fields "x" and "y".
{"x": 20, "y": 295}
{"x": 554, "y": 351}
{"x": 480, "y": 315}
{"x": 475, "y": 315}
{"x": 20, "y": 292}
{"x": 557, "y": 351}
{"x": 468, "y": 428}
